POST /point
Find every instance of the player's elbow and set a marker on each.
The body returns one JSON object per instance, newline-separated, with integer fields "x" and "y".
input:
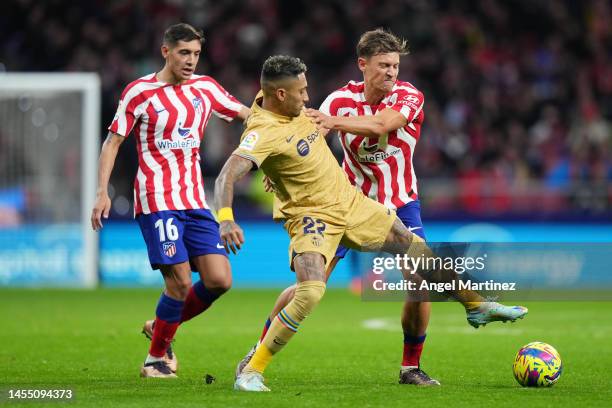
{"x": 113, "y": 141}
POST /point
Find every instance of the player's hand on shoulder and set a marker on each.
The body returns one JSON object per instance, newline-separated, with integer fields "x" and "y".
{"x": 101, "y": 209}
{"x": 323, "y": 122}
{"x": 231, "y": 236}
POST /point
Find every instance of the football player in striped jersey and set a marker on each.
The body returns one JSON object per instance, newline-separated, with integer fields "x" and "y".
{"x": 167, "y": 113}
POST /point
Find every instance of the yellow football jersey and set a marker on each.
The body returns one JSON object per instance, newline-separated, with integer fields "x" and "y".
{"x": 295, "y": 156}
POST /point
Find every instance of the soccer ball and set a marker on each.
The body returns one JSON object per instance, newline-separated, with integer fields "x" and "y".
{"x": 537, "y": 365}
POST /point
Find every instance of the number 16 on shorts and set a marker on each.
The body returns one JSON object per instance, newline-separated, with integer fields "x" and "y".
{"x": 163, "y": 234}
{"x": 167, "y": 231}
{"x": 175, "y": 236}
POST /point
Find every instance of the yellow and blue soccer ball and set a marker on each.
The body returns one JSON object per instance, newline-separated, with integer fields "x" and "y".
{"x": 537, "y": 365}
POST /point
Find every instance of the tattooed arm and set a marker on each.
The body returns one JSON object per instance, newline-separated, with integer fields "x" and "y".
{"x": 235, "y": 168}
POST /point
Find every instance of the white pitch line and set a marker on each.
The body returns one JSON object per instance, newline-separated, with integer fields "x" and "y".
{"x": 393, "y": 325}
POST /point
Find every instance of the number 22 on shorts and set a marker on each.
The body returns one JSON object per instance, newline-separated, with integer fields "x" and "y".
{"x": 312, "y": 226}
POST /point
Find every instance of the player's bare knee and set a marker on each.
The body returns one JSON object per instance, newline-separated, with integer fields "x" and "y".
{"x": 219, "y": 284}
{"x": 288, "y": 293}
{"x": 283, "y": 300}
{"x": 177, "y": 286}
{"x": 177, "y": 278}
{"x": 183, "y": 287}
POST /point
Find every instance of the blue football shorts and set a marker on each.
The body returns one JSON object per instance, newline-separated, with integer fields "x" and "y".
{"x": 175, "y": 236}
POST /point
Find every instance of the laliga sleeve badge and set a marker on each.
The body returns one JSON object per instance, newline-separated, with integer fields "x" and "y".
{"x": 249, "y": 141}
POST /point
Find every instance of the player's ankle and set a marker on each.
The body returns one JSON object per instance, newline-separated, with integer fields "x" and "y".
{"x": 152, "y": 359}
{"x": 408, "y": 367}
{"x": 248, "y": 370}
{"x": 471, "y": 306}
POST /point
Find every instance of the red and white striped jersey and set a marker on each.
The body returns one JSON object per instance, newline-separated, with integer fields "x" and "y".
{"x": 381, "y": 168}
{"x": 169, "y": 122}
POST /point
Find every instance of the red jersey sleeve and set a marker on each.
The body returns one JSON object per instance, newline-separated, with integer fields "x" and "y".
{"x": 127, "y": 112}
{"x": 224, "y": 105}
{"x": 409, "y": 104}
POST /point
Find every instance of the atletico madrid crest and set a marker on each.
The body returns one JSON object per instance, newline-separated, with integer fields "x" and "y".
{"x": 197, "y": 105}
{"x": 169, "y": 249}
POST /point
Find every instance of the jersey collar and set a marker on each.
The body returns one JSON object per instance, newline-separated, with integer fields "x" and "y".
{"x": 256, "y": 107}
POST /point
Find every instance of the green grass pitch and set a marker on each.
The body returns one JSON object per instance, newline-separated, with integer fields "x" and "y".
{"x": 90, "y": 341}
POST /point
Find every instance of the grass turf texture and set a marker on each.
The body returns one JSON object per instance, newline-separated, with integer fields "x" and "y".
{"x": 91, "y": 342}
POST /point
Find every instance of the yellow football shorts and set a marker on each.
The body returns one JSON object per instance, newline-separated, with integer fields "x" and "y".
{"x": 365, "y": 227}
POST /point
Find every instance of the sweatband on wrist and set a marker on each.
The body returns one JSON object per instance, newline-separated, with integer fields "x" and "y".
{"x": 225, "y": 214}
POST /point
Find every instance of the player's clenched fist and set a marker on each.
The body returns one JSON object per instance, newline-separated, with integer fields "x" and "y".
{"x": 231, "y": 236}
{"x": 101, "y": 209}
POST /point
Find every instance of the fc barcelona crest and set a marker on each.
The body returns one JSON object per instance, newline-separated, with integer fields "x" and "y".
{"x": 169, "y": 249}
{"x": 316, "y": 240}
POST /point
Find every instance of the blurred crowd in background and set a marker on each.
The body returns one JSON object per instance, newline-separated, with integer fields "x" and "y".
{"x": 518, "y": 94}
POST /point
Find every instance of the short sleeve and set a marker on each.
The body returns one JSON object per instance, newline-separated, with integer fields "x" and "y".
{"x": 127, "y": 113}
{"x": 224, "y": 105}
{"x": 407, "y": 103}
{"x": 255, "y": 147}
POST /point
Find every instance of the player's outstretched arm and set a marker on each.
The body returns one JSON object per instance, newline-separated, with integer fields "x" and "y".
{"x": 375, "y": 126}
{"x": 235, "y": 168}
{"x": 105, "y": 167}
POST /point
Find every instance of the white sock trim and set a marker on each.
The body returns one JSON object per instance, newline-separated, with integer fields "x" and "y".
{"x": 152, "y": 359}
{"x": 407, "y": 368}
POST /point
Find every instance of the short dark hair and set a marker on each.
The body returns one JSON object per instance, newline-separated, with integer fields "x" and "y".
{"x": 279, "y": 67}
{"x": 379, "y": 41}
{"x": 182, "y": 32}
